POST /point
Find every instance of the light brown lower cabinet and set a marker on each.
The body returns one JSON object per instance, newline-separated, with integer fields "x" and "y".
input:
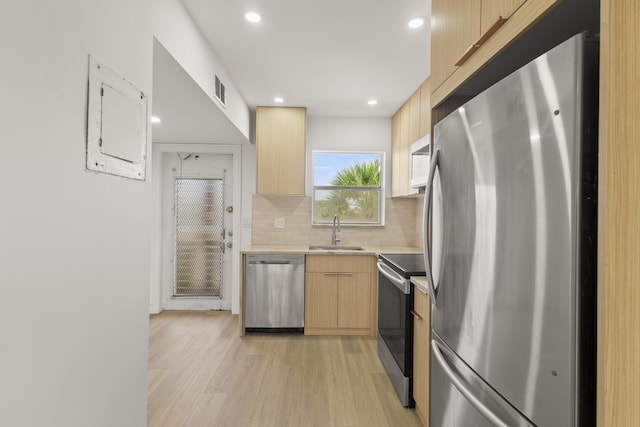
{"x": 421, "y": 352}
{"x": 339, "y": 295}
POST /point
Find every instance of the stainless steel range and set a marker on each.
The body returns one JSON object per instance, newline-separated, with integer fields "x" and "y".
{"x": 395, "y": 321}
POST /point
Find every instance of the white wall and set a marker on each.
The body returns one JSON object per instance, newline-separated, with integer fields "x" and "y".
{"x": 349, "y": 134}
{"x": 248, "y": 190}
{"x": 74, "y": 246}
{"x": 175, "y": 30}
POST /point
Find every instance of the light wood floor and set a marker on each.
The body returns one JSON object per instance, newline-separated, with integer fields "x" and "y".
{"x": 201, "y": 373}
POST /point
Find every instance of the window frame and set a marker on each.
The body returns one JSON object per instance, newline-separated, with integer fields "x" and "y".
{"x": 381, "y": 189}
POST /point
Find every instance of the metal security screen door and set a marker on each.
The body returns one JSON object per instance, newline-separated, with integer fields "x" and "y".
{"x": 199, "y": 237}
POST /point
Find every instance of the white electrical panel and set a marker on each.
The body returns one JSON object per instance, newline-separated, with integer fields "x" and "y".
{"x": 116, "y": 125}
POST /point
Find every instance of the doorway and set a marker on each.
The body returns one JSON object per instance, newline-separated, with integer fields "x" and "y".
{"x": 165, "y": 158}
{"x": 197, "y": 231}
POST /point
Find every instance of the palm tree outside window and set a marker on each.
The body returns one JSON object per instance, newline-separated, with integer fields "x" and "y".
{"x": 348, "y": 184}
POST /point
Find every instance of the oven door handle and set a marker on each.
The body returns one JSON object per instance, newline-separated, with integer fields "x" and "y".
{"x": 399, "y": 281}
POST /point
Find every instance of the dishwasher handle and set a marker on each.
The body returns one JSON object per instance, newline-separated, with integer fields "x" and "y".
{"x": 269, "y": 262}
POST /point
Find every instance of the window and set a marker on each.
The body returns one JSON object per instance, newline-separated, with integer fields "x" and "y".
{"x": 348, "y": 184}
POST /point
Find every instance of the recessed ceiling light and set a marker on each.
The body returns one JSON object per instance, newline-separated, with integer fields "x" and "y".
{"x": 155, "y": 119}
{"x": 416, "y": 23}
{"x": 372, "y": 102}
{"x": 278, "y": 99}
{"x": 253, "y": 17}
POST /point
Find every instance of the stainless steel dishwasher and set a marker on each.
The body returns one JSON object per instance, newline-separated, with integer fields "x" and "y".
{"x": 274, "y": 293}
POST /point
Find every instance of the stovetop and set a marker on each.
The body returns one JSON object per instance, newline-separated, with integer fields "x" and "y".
{"x": 404, "y": 264}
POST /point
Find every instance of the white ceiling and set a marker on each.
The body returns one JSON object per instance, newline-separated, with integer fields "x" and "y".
{"x": 330, "y": 56}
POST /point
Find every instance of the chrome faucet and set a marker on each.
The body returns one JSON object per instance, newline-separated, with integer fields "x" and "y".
{"x": 334, "y": 235}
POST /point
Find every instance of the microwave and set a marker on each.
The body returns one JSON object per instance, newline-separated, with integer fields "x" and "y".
{"x": 420, "y": 160}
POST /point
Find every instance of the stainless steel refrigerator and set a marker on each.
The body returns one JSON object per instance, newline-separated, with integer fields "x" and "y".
{"x": 512, "y": 196}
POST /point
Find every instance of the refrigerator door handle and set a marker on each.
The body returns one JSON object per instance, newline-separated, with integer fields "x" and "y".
{"x": 435, "y": 163}
{"x": 464, "y": 390}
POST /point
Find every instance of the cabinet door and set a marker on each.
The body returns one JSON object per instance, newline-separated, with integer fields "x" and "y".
{"x": 421, "y": 338}
{"x": 395, "y": 154}
{"x": 483, "y": 38}
{"x": 425, "y": 108}
{"x": 455, "y": 26}
{"x": 321, "y": 295}
{"x": 414, "y": 117}
{"x": 354, "y": 300}
{"x": 492, "y": 10}
{"x": 280, "y": 150}
{"x": 400, "y": 148}
{"x": 405, "y": 150}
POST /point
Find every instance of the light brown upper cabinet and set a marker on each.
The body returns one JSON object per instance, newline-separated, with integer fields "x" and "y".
{"x": 396, "y": 137}
{"x": 466, "y": 34}
{"x": 281, "y": 150}
{"x": 494, "y": 10}
{"x": 455, "y": 26}
{"x": 461, "y": 27}
{"x": 410, "y": 123}
{"x": 414, "y": 116}
{"x": 425, "y": 108}
{"x": 400, "y": 146}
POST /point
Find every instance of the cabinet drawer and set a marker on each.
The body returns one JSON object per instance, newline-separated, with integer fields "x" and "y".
{"x": 339, "y": 263}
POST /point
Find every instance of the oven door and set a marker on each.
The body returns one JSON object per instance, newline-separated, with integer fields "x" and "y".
{"x": 395, "y": 322}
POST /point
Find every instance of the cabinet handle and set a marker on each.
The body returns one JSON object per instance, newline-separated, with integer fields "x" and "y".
{"x": 483, "y": 38}
{"x": 338, "y": 274}
{"x": 492, "y": 29}
{"x": 419, "y": 288}
{"x": 467, "y": 54}
{"x": 416, "y": 315}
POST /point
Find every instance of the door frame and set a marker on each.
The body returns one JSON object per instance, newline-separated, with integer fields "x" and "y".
{"x": 155, "y": 282}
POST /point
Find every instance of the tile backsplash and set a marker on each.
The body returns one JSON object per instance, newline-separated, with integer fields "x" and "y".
{"x": 402, "y": 224}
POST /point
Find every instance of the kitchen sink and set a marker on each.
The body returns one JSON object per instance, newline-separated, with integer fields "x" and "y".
{"x": 335, "y": 248}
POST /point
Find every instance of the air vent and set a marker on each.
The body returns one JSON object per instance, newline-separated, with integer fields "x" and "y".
{"x": 220, "y": 91}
